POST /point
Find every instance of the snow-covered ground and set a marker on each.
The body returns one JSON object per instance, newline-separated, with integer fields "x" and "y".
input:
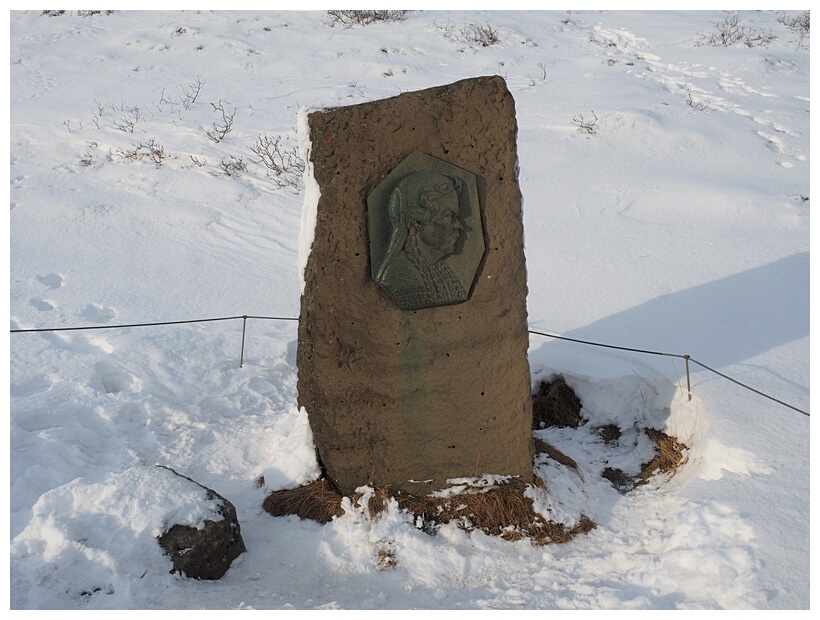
{"x": 678, "y": 222}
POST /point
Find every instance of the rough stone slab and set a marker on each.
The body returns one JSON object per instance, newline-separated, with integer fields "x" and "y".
{"x": 411, "y": 398}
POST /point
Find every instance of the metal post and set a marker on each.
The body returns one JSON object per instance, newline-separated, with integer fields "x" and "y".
{"x": 688, "y": 382}
{"x": 242, "y": 355}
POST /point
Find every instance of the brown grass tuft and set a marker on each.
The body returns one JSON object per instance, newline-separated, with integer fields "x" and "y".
{"x": 500, "y": 511}
{"x": 376, "y": 503}
{"x": 318, "y": 501}
{"x": 385, "y": 559}
{"x": 668, "y": 456}
{"x": 610, "y": 433}
{"x": 619, "y": 479}
{"x": 555, "y": 404}
{"x": 554, "y": 453}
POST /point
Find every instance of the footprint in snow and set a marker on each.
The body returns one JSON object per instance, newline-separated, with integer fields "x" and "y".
{"x": 773, "y": 142}
{"x": 115, "y": 379}
{"x": 51, "y": 280}
{"x": 35, "y": 385}
{"x": 41, "y": 304}
{"x": 79, "y": 343}
{"x": 98, "y": 314}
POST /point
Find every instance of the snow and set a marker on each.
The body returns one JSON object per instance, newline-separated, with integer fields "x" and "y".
{"x": 311, "y": 200}
{"x": 680, "y": 224}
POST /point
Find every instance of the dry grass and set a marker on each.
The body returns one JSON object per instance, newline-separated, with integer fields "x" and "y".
{"x": 501, "y": 511}
{"x": 554, "y": 453}
{"x": 668, "y": 456}
{"x": 619, "y": 479}
{"x": 385, "y": 559}
{"x": 610, "y": 433}
{"x": 376, "y": 503}
{"x": 317, "y": 501}
{"x": 555, "y": 404}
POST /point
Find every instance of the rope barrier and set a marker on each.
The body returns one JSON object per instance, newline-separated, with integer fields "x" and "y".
{"x": 245, "y": 318}
{"x": 608, "y": 346}
{"x": 720, "y": 374}
{"x": 678, "y": 355}
{"x": 85, "y": 327}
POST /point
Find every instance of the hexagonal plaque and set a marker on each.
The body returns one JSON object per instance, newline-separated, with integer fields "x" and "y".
{"x": 426, "y": 239}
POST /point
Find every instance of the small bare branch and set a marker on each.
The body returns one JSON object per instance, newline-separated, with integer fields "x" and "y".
{"x": 217, "y": 132}
{"x": 234, "y": 166}
{"x": 285, "y": 167}
{"x": 587, "y": 125}
{"x": 485, "y": 35}
{"x": 700, "y": 106}
{"x": 153, "y": 151}
{"x": 191, "y": 93}
{"x": 348, "y": 18}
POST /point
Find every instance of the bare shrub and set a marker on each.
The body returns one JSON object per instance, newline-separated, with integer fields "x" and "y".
{"x": 587, "y": 125}
{"x": 88, "y": 157}
{"x": 151, "y": 150}
{"x": 130, "y": 154}
{"x": 84, "y": 13}
{"x": 190, "y": 94}
{"x": 731, "y": 31}
{"x": 217, "y": 132}
{"x": 233, "y": 166}
{"x": 799, "y": 24}
{"x": 284, "y": 166}
{"x": 362, "y": 17}
{"x": 700, "y": 106}
{"x": 128, "y": 121}
{"x": 484, "y": 35}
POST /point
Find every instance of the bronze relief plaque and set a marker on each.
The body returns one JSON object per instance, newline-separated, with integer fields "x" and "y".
{"x": 426, "y": 236}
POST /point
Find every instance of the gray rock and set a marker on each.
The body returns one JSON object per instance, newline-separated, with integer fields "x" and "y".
{"x": 205, "y": 553}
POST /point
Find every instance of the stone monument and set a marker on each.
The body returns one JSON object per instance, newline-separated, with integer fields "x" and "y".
{"x": 412, "y": 351}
